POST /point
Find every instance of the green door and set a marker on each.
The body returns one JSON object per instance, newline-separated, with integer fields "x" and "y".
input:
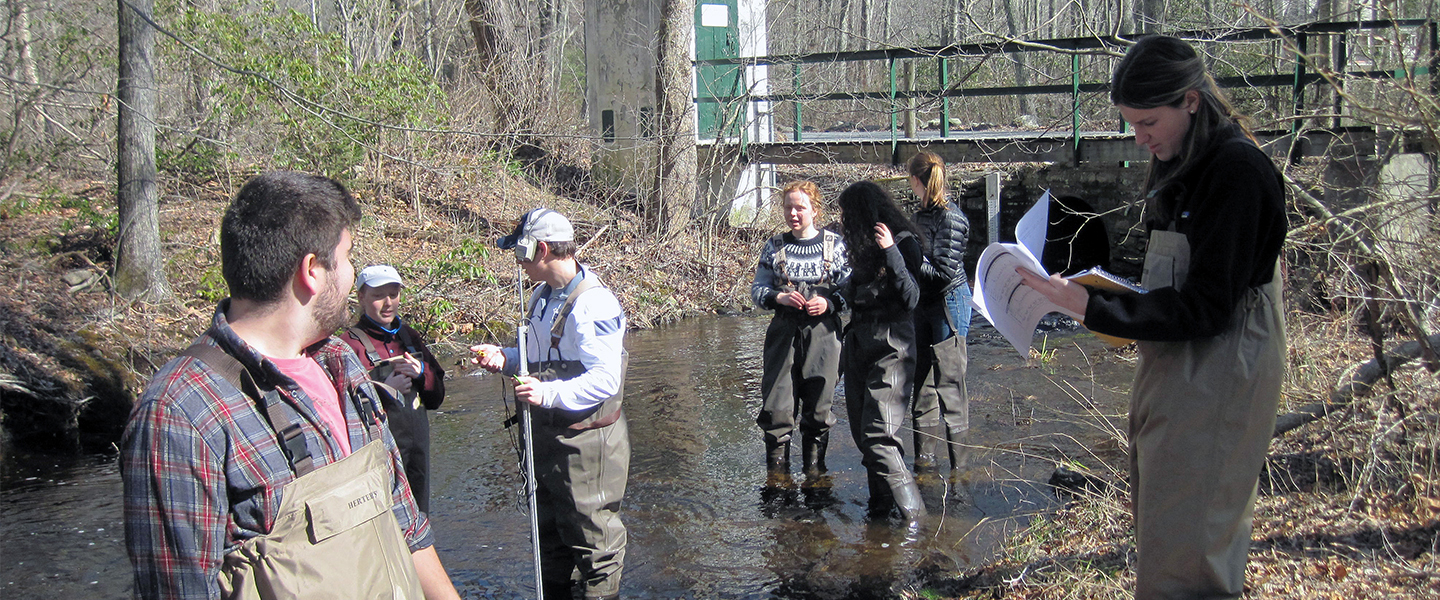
{"x": 717, "y": 35}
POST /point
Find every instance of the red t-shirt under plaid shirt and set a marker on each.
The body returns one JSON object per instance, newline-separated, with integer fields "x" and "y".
{"x": 317, "y": 385}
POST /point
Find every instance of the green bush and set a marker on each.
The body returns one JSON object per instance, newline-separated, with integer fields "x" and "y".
{"x": 300, "y": 92}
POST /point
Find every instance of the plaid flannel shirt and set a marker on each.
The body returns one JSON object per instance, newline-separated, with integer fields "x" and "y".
{"x": 203, "y": 469}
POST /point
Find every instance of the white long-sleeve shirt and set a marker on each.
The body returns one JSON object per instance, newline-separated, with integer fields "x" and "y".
{"x": 593, "y": 335}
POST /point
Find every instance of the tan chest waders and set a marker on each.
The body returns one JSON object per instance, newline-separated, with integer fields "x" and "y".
{"x": 334, "y": 535}
{"x": 1201, "y": 417}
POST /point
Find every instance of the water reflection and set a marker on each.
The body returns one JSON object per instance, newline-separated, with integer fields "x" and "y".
{"x": 702, "y": 523}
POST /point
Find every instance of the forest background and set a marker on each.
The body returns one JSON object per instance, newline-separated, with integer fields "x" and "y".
{"x": 449, "y": 118}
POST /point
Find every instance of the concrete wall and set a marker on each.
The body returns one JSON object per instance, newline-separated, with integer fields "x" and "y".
{"x": 620, "y": 40}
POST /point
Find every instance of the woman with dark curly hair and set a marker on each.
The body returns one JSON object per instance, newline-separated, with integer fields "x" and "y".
{"x": 879, "y": 354}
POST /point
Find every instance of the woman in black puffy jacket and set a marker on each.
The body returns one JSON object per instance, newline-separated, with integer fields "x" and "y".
{"x": 941, "y": 408}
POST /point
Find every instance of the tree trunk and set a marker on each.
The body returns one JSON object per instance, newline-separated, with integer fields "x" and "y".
{"x": 674, "y": 191}
{"x": 139, "y": 270}
{"x": 1149, "y": 16}
{"x": 491, "y": 28}
{"x": 1022, "y": 76}
{"x": 498, "y": 55}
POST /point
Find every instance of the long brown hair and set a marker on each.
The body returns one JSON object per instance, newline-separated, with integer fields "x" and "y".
{"x": 930, "y": 170}
{"x": 1158, "y": 71}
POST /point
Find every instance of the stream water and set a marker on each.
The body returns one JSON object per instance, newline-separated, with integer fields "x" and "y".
{"x": 701, "y": 522}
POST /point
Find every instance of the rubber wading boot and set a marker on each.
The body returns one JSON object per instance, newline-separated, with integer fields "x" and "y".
{"x": 908, "y": 500}
{"x": 959, "y": 451}
{"x": 777, "y": 463}
{"x": 881, "y": 501}
{"x": 927, "y": 439}
{"x": 813, "y": 451}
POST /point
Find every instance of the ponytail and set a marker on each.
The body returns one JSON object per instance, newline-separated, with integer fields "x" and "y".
{"x": 930, "y": 170}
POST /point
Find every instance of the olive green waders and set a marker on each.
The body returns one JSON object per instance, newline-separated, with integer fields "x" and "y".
{"x": 1202, "y": 414}
{"x": 582, "y": 475}
{"x": 334, "y": 537}
{"x": 802, "y": 363}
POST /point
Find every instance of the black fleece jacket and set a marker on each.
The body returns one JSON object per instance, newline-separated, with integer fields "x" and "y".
{"x": 1231, "y": 208}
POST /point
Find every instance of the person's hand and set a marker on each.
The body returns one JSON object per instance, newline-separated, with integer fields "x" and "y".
{"x": 409, "y": 366}
{"x": 526, "y": 391}
{"x": 1067, "y": 294}
{"x": 791, "y": 299}
{"x": 488, "y": 356}
{"x": 883, "y": 237}
{"x": 817, "y": 306}
{"x": 401, "y": 382}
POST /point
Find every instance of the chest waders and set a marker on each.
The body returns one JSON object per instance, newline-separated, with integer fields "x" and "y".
{"x": 801, "y": 362}
{"x": 941, "y": 408}
{"x": 407, "y": 418}
{"x": 582, "y": 464}
{"x": 380, "y": 371}
{"x": 334, "y": 535}
{"x": 1201, "y": 417}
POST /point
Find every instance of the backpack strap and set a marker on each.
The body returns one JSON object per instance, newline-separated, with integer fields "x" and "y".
{"x": 292, "y": 437}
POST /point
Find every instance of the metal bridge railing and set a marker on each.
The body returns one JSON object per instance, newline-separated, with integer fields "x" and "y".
{"x": 1298, "y": 79}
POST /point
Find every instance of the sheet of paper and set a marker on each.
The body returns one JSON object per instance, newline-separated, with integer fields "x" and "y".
{"x": 1019, "y": 307}
{"x": 1031, "y": 230}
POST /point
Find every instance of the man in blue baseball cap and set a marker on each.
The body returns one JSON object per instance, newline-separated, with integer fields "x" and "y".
{"x": 576, "y": 357}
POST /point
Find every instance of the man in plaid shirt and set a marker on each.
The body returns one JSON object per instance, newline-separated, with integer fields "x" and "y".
{"x": 202, "y": 464}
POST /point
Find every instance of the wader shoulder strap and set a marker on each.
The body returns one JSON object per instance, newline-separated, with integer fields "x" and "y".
{"x": 557, "y": 327}
{"x": 777, "y": 259}
{"x": 827, "y": 253}
{"x": 364, "y": 338}
{"x": 292, "y": 437}
{"x": 408, "y": 341}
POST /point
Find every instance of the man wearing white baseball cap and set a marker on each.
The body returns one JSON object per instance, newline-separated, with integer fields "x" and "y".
{"x": 576, "y": 356}
{"x": 395, "y": 354}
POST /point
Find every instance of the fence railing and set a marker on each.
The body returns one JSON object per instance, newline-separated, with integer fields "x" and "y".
{"x": 1297, "y": 78}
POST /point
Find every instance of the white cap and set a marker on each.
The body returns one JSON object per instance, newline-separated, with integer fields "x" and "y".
{"x": 541, "y": 224}
{"x": 376, "y": 276}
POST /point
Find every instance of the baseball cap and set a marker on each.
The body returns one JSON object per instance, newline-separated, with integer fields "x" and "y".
{"x": 376, "y": 276}
{"x": 541, "y": 224}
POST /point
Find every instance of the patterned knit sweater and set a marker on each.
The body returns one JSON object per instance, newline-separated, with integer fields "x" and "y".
{"x": 788, "y": 264}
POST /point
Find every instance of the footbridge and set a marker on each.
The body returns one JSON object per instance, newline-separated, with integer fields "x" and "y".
{"x": 780, "y": 109}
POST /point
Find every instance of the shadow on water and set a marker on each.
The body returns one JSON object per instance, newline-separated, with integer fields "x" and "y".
{"x": 701, "y": 522}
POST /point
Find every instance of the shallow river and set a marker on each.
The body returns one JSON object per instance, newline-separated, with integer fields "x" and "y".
{"x": 701, "y": 523}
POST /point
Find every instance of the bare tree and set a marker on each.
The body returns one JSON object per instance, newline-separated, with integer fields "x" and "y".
{"x": 675, "y": 175}
{"x": 139, "y": 269}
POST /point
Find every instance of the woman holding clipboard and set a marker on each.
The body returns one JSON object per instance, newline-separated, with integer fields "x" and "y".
{"x": 1211, "y": 328}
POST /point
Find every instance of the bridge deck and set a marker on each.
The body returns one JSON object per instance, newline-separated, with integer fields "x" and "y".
{"x": 1028, "y": 146}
